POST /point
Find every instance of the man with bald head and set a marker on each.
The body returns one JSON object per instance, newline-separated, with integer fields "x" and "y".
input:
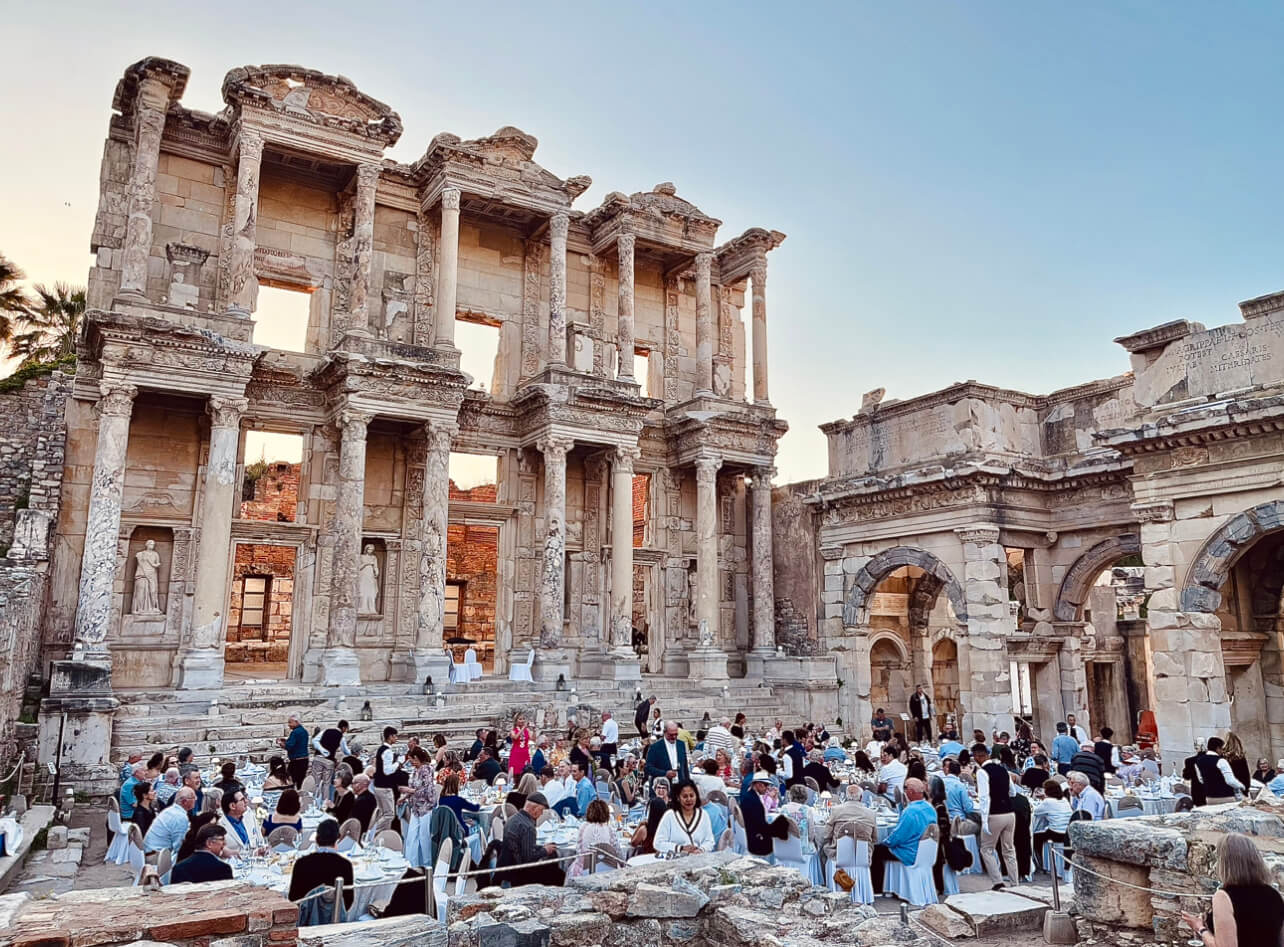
{"x": 902, "y": 844}
{"x": 364, "y": 803}
{"x": 170, "y": 828}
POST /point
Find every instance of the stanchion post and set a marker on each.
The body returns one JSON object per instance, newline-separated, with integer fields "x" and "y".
{"x": 1058, "y": 927}
{"x": 337, "y": 915}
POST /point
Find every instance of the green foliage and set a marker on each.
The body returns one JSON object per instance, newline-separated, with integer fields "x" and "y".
{"x": 48, "y": 325}
{"x": 40, "y": 841}
{"x": 256, "y": 470}
{"x": 29, "y": 370}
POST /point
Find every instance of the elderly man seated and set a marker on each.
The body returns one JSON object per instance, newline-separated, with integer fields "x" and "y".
{"x": 170, "y": 828}
{"x": 167, "y": 787}
{"x": 902, "y": 844}
{"x": 1084, "y": 797}
{"x": 861, "y": 819}
{"x": 520, "y": 854}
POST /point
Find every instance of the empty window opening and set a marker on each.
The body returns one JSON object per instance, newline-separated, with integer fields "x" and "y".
{"x": 270, "y": 485}
{"x": 472, "y": 591}
{"x": 1022, "y": 692}
{"x": 641, "y": 504}
{"x": 478, "y": 343}
{"x": 281, "y": 317}
{"x": 642, "y": 370}
{"x": 474, "y": 478}
{"x": 260, "y": 613}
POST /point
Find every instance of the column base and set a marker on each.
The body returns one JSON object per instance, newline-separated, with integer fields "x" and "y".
{"x": 340, "y": 667}
{"x": 75, "y": 724}
{"x": 200, "y": 669}
{"x": 707, "y": 664}
{"x": 426, "y": 664}
{"x": 550, "y": 664}
{"x": 756, "y": 662}
{"x": 623, "y": 664}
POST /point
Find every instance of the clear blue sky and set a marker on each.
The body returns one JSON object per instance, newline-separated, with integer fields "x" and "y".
{"x": 971, "y": 190}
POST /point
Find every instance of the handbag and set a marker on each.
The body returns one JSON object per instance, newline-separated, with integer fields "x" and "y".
{"x": 957, "y": 855}
{"x": 844, "y": 880}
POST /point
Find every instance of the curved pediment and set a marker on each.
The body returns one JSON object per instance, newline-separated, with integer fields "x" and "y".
{"x": 313, "y": 96}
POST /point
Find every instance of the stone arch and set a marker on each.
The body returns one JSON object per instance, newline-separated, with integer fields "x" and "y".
{"x": 1215, "y": 559}
{"x": 895, "y": 639}
{"x": 1079, "y": 579}
{"x": 888, "y": 561}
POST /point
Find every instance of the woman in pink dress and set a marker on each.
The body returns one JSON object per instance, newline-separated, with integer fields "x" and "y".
{"x": 520, "y": 755}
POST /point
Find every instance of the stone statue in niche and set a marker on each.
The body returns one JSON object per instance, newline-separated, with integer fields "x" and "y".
{"x": 146, "y": 580}
{"x": 368, "y": 582}
{"x": 181, "y": 293}
{"x": 706, "y": 634}
{"x": 693, "y": 598}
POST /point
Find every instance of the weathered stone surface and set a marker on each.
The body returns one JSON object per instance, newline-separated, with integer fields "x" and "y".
{"x": 945, "y": 921}
{"x": 997, "y": 912}
{"x": 654, "y": 901}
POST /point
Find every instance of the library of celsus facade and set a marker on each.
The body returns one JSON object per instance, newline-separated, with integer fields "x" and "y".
{"x": 628, "y": 513}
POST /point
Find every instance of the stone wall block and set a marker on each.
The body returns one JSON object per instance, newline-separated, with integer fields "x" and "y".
{"x": 1159, "y": 577}
{"x": 853, "y": 564}
{"x": 1172, "y": 690}
{"x": 1165, "y": 600}
{"x": 1199, "y": 599}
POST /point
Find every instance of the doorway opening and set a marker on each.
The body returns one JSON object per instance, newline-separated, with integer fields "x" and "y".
{"x": 273, "y": 464}
{"x": 282, "y": 315}
{"x": 260, "y": 612}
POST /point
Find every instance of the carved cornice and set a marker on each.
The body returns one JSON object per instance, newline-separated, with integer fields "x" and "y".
{"x": 1156, "y": 511}
{"x": 978, "y": 533}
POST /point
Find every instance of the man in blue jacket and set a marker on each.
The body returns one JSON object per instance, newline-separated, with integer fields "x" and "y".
{"x": 668, "y": 757}
{"x": 902, "y": 844}
{"x": 296, "y": 748}
{"x": 206, "y": 863}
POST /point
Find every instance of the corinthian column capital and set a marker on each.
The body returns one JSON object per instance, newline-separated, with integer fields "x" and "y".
{"x": 440, "y": 436}
{"x": 707, "y": 466}
{"x": 367, "y": 175}
{"x": 226, "y": 412}
{"x": 558, "y": 225}
{"x": 555, "y": 445}
{"x": 353, "y": 423}
{"x": 249, "y": 145}
{"x": 704, "y": 266}
{"x": 117, "y": 401}
{"x": 450, "y": 198}
{"x": 625, "y": 456}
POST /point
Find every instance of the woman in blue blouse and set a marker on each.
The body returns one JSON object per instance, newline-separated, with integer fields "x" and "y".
{"x": 451, "y": 799}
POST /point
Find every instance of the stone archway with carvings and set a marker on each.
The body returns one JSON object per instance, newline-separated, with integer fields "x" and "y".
{"x": 1215, "y": 559}
{"x": 1078, "y": 581}
{"x": 884, "y": 564}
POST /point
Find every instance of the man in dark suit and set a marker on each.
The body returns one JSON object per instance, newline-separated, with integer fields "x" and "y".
{"x": 668, "y": 757}
{"x": 206, "y": 863}
{"x": 758, "y": 831}
{"x": 920, "y": 708}
{"x": 322, "y": 866}
{"x": 364, "y": 804}
{"x": 486, "y": 767}
{"x": 642, "y": 716}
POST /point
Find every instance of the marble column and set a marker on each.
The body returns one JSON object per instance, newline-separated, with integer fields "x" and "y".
{"x": 985, "y": 591}
{"x": 552, "y": 587}
{"x": 760, "y": 568}
{"x": 707, "y": 547}
{"x": 443, "y": 331}
{"x": 339, "y": 664}
{"x": 429, "y": 656}
{"x": 102, "y": 524}
{"x": 557, "y": 229}
{"x": 245, "y": 213}
{"x": 149, "y": 124}
{"x": 704, "y": 324}
{"x": 624, "y": 320}
{"x": 363, "y": 244}
{"x": 758, "y": 278}
{"x": 622, "y": 551}
{"x": 201, "y": 664}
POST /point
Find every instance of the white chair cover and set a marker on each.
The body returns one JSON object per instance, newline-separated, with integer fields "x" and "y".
{"x": 789, "y": 854}
{"x": 913, "y": 883}
{"x": 118, "y": 850}
{"x": 471, "y": 665}
{"x": 853, "y": 857}
{"x": 522, "y": 672}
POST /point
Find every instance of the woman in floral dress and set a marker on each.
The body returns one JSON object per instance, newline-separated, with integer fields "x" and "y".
{"x": 520, "y": 755}
{"x": 421, "y": 799}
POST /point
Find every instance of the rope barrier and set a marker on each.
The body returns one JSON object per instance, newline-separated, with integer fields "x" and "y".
{"x": 1129, "y": 884}
{"x": 22, "y": 758}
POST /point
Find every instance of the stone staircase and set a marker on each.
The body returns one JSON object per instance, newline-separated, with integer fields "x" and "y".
{"x": 245, "y": 719}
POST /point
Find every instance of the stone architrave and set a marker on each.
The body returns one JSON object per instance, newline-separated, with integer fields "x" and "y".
{"x": 985, "y": 571}
{"x": 443, "y": 330}
{"x": 201, "y": 664}
{"x": 758, "y": 277}
{"x": 241, "y": 281}
{"x": 557, "y": 230}
{"x": 363, "y": 244}
{"x": 760, "y": 567}
{"x": 146, "y": 598}
{"x": 624, "y": 318}
{"x": 552, "y": 588}
{"x": 149, "y": 118}
{"x": 622, "y": 551}
{"x": 102, "y": 523}
{"x": 429, "y": 657}
{"x": 339, "y": 663}
{"x": 704, "y": 324}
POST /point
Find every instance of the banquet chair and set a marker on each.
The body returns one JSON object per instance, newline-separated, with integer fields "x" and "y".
{"x": 605, "y": 858}
{"x": 1128, "y": 807}
{"x": 164, "y": 864}
{"x": 788, "y": 853}
{"x": 741, "y": 846}
{"x": 309, "y": 785}
{"x": 304, "y": 838}
{"x": 522, "y": 672}
{"x": 811, "y": 784}
{"x": 852, "y": 856}
{"x": 283, "y": 838}
{"x": 471, "y": 665}
{"x": 136, "y": 859}
{"x": 914, "y": 883}
{"x": 727, "y": 840}
{"x": 118, "y": 850}
{"x": 441, "y": 881}
{"x": 349, "y": 835}
{"x": 389, "y": 840}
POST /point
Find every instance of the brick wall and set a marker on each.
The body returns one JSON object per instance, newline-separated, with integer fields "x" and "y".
{"x": 273, "y": 643}
{"x": 641, "y": 483}
{"x": 33, "y": 432}
{"x": 276, "y": 494}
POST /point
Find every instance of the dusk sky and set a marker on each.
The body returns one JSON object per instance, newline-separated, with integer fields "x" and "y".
{"x": 970, "y": 190}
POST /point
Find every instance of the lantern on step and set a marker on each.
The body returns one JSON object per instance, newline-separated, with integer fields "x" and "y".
{"x": 428, "y": 688}
{"x": 366, "y": 713}
{"x": 561, "y": 682}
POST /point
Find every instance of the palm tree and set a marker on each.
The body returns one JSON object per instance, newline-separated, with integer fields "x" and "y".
{"x": 51, "y": 324}
{"x": 12, "y": 297}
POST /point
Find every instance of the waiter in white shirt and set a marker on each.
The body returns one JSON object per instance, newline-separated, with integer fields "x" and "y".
{"x": 1076, "y": 731}
{"x": 610, "y": 740}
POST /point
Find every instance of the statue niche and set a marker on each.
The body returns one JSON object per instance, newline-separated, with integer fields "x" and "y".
{"x": 370, "y": 572}
{"x": 147, "y": 568}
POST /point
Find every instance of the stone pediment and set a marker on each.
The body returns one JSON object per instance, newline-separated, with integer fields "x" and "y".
{"x": 663, "y": 200}
{"x": 505, "y": 157}
{"x": 332, "y": 101}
